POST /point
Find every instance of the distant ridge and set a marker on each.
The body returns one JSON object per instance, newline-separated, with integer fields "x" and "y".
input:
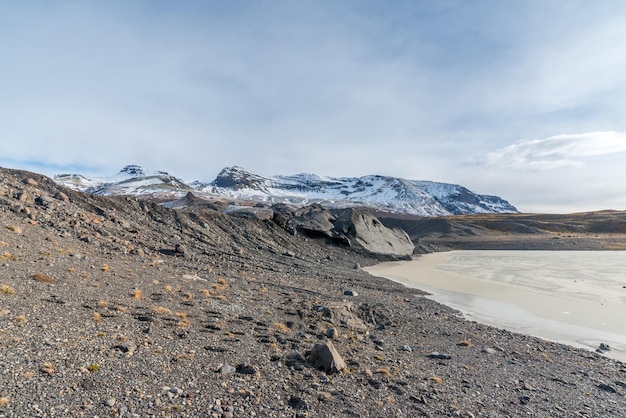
{"x": 382, "y": 193}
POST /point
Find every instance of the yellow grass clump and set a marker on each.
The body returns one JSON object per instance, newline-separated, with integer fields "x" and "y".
{"x": 7, "y": 290}
{"x": 43, "y": 278}
{"x": 137, "y": 294}
{"x": 4, "y": 401}
{"x": 280, "y": 327}
{"x": 160, "y": 310}
{"x": 383, "y": 370}
{"x": 97, "y": 317}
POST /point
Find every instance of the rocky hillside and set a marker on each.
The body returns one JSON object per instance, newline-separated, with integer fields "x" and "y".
{"x": 114, "y": 306}
{"x": 390, "y": 194}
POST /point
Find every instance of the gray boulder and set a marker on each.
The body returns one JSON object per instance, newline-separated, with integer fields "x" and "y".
{"x": 325, "y": 356}
{"x": 363, "y": 230}
{"x": 354, "y": 227}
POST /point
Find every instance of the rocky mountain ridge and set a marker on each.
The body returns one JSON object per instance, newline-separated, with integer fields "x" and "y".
{"x": 383, "y": 193}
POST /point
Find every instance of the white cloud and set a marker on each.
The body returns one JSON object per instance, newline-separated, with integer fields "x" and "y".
{"x": 557, "y": 151}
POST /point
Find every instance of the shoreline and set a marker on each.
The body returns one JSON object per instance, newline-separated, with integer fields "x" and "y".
{"x": 530, "y": 311}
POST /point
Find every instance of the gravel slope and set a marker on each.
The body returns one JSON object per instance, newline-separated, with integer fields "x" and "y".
{"x": 116, "y": 307}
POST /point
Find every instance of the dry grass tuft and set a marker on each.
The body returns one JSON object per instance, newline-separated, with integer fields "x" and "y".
{"x": 436, "y": 379}
{"x": 4, "y": 401}
{"x": 160, "y": 310}
{"x": 184, "y": 321}
{"x": 105, "y": 268}
{"x": 48, "y": 368}
{"x": 7, "y": 290}
{"x": 8, "y": 256}
{"x": 206, "y": 292}
{"x": 169, "y": 288}
{"x": 93, "y": 367}
{"x": 466, "y": 343}
{"x": 280, "y": 327}
{"x": 137, "y": 294}
{"x": 103, "y": 304}
{"x": 43, "y": 278}
{"x": 383, "y": 370}
{"x": 97, "y": 317}
{"x": 222, "y": 281}
{"x": 20, "y": 319}
{"x": 187, "y": 296}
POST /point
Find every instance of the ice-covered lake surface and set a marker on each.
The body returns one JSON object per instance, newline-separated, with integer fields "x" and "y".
{"x": 573, "y": 297}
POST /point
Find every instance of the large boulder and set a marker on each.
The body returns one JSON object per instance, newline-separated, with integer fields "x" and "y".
{"x": 354, "y": 227}
{"x": 363, "y": 230}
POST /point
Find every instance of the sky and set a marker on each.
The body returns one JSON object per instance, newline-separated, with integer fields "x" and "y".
{"x": 523, "y": 99}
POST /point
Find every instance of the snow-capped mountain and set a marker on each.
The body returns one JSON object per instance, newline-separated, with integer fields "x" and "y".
{"x": 425, "y": 198}
{"x": 131, "y": 180}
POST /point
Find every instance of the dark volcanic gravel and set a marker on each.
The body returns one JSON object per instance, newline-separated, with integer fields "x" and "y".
{"x": 118, "y": 307}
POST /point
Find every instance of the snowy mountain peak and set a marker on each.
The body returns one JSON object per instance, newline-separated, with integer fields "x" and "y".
{"x": 383, "y": 193}
{"x": 133, "y": 170}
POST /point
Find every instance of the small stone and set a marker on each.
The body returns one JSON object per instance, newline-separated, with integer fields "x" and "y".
{"x": 15, "y": 228}
{"x": 488, "y": 350}
{"x": 524, "y": 399}
{"x": 440, "y": 356}
{"x": 406, "y": 348}
{"x": 607, "y": 388}
{"x": 604, "y": 347}
{"x": 350, "y": 292}
{"x": 122, "y": 410}
{"x": 127, "y": 347}
{"x": 332, "y": 333}
{"x": 29, "y": 181}
{"x": 110, "y": 402}
{"x": 226, "y": 369}
{"x": 61, "y": 196}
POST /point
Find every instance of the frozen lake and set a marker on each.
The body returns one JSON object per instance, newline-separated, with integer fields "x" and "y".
{"x": 573, "y": 297}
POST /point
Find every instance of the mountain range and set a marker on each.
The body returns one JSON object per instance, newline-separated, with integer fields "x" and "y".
{"x": 381, "y": 193}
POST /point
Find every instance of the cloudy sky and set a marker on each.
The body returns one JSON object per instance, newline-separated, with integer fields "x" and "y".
{"x": 525, "y": 99}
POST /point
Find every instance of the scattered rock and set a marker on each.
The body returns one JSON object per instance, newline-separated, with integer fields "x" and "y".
{"x": 15, "y": 228}
{"x": 332, "y": 333}
{"x": 127, "y": 347}
{"x": 226, "y": 369}
{"x": 607, "y": 388}
{"x": 440, "y": 356}
{"x": 350, "y": 293}
{"x": 488, "y": 350}
{"x": 604, "y": 347}
{"x": 326, "y": 357}
{"x": 110, "y": 402}
{"x": 406, "y": 348}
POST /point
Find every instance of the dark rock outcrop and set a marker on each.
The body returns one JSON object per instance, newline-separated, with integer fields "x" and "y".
{"x": 355, "y": 227}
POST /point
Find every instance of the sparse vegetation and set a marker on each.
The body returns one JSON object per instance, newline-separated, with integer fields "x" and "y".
{"x": 137, "y": 294}
{"x": 97, "y": 317}
{"x": 43, "y": 278}
{"x": 7, "y": 290}
{"x": 280, "y": 327}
